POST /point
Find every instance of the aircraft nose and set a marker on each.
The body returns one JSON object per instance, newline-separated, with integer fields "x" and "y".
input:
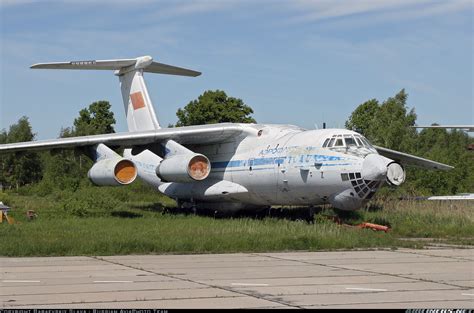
{"x": 374, "y": 167}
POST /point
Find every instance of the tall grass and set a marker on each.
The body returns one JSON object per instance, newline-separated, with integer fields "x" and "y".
{"x": 433, "y": 219}
{"x": 106, "y": 221}
{"x": 180, "y": 234}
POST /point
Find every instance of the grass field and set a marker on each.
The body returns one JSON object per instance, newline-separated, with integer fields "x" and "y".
{"x": 102, "y": 221}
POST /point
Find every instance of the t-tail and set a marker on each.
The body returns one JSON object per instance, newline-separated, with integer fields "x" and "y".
{"x": 139, "y": 109}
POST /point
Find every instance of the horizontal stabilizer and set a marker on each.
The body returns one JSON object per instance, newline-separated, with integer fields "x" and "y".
{"x": 162, "y": 68}
{"x": 122, "y": 65}
{"x": 87, "y": 65}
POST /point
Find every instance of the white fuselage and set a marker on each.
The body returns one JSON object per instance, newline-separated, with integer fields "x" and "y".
{"x": 280, "y": 165}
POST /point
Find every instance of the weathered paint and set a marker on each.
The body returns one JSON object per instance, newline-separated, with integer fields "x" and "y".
{"x": 285, "y": 165}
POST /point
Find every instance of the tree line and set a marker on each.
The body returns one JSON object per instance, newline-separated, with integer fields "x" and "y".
{"x": 386, "y": 123}
{"x": 389, "y": 124}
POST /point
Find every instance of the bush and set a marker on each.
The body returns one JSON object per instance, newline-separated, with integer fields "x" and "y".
{"x": 91, "y": 202}
{"x": 5, "y": 198}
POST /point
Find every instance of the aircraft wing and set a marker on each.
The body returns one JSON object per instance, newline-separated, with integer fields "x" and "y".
{"x": 461, "y": 196}
{"x": 410, "y": 159}
{"x": 201, "y": 134}
{"x": 469, "y": 128}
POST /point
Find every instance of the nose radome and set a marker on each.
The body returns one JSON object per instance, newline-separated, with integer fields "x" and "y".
{"x": 374, "y": 167}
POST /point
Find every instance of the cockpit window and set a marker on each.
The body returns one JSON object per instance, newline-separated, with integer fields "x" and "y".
{"x": 366, "y": 142}
{"x": 349, "y": 140}
{"x": 331, "y": 143}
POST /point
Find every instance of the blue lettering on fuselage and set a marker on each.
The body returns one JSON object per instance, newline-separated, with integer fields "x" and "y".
{"x": 305, "y": 158}
{"x": 264, "y": 162}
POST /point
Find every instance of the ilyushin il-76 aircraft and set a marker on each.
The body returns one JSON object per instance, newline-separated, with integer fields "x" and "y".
{"x": 229, "y": 166}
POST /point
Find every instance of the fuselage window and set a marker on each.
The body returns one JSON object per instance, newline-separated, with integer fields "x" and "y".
{"x": 339, "y": 143}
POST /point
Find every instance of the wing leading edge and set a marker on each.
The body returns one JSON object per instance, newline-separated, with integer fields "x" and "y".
{"x": 410, "y": 159}
{"x": 202, "y": 134}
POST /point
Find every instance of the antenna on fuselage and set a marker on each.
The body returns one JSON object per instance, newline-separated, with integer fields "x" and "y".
{"x": 324, "y": 125}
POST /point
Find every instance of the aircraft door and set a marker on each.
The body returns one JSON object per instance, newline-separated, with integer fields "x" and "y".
{"x": 261, "y": 177}
{"x": 283, "y": 186}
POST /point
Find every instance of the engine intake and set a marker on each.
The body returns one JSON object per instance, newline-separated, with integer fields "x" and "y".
{"x": 113, "y": 172}
{"x": 395, "y": 174}
{"x": 184, "y": 168}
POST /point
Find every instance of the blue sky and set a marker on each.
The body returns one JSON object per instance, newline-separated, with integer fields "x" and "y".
{"x": 297, "y": 62}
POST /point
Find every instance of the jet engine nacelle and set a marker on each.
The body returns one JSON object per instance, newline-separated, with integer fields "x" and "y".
{"x": 184, "y": 168}
{"x": 113, "y": 172}
{"x": 377, "y": 167}
{"x": 395, "y": 174}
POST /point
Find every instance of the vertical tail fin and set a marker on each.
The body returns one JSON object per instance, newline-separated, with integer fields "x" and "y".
{"x": 138, "y": 106}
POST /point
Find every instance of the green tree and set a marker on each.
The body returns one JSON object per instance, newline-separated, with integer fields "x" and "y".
{"x": 214, "y": 107}
{"x": 20, "y": 168}
{"x": 3, "y": 136}
{"x": 65, "y": 168}
{"x": 447, "y": 147}
{"x": 393, "y": 123}
{"x": 94, "y": 120}
{"x": 3, "y": 140}
{"x": 363, "y": 117}
{"x": 62, "y": 170}
{"x": 387, "y": 124}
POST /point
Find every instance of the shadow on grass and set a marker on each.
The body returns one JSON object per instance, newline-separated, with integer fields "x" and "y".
{"x": 304, "y": 214}
{"x": 154, "y": 207}
{"x": 348, "y": 216}
{"x": 125, "y": 214}
{"x": 374, "y": 207}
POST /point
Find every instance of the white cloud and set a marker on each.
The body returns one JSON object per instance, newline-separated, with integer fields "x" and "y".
{"x": 174, "y": 9}
{"x": 309, "y": 10}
